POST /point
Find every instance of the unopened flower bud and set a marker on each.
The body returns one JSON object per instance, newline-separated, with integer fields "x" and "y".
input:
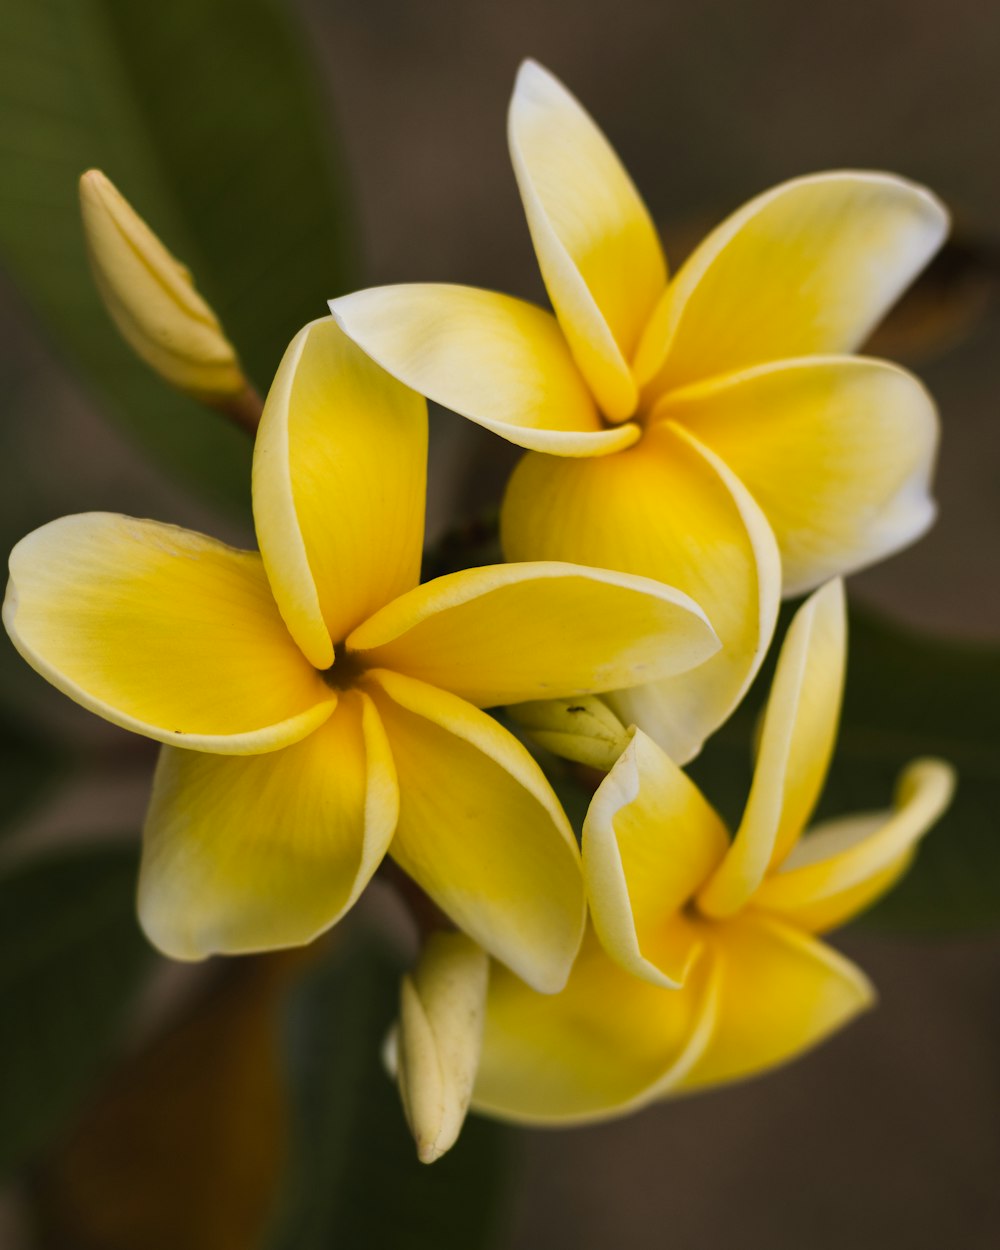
{"x": 583, "y": 729}
{"x": 152, "y": 299}
{"x": 442, "y": 1004}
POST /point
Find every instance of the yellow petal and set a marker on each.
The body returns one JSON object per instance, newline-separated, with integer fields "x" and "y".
{"x": 799, "y": 730}
{"x": 809, "y": 267}
{"x": 442, "y": 1005}
{"x": 597, "y": 247}
{"x": 649, "y": 841}
{"x": 842, "y": 866}
{"x": 253, "y": 854}
{"x": 583, "y": 729}
{"x": 507, "y": 633}
{"x": 501, "y": 362}
{"x": 837, "y": 451}
{"x": 668, "y": 509}
{"x": 151, "y": 298}
{"x": 780, "y": 992}
{"x": 163, "y": 631}
{"x": 481, "y": 831}
{"x": 607, "y": 1044}
{"x": 339, "y": 473}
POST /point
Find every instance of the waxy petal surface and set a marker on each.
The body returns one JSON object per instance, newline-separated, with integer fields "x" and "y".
{"x": 780, "y": 992}
{"x": 510, "y": 633}
{"x": 837, "y": 451}
{"x": 162, "y": 631}
{"x": 265, "y": 852}
{"x": 843, "y": 866}
{"x": 808, "y": 268}
{"x": 481, "y": 831}
{"x": 499, "y": 361}
{"x": 796, "y": 743}
{"x": 667, "y": 509}
{"x": 339, "y": 473}
{"x": 608, "y": 1043}
{"x": 596, "y": 244}
{"x": 649, "y": 841}
{"x": 441, "y": 1010}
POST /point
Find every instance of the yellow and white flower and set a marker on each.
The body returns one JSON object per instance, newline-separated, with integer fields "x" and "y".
{"x": 318, "y": 707}
{"x": 686, "y": 429}
{"x": 702, "y": 965}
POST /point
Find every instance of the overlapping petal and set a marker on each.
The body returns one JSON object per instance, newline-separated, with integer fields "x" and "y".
{"x": 838, "y": 451}
{"x": 808, "y": 268}
{"x": 780, "y": 992}
{"x": 608, "y": 1043}
{"x": 649, "y": 841}
{"x": 481, "y": 831}
{"x": 250, "y": 854}
{"x": 596, "y": 244}
{"x": 799, "y": 729}
{"x": 162, "y": 631}
{"x": 671, "y": 510}
{"x": 844, "y": 865}
{"x": 501, "y": 362}
{"x": 509, "y": 633}
{"x": 339, "y": 473}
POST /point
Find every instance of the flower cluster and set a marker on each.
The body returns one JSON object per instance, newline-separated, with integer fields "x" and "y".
{"x": 698, "y": 446}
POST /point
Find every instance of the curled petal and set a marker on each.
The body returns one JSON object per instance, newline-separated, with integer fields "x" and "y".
{"x": 481, "y": 831}
{"x": 838, "y": 451}
{"x": 780, "y": 992}
{"x": 609, "y": 1043}
{"x": 808, "y": 268}
{"x": 843, "y": 866}
{"x": 649, "y": 841}
{"x": 796, "y": 743}
{"x": 501, "y": 362}
{"x": 252, "y": 854}
{"x": 667, "y": 509}
{"x": 508, "y": 633}
{"x": 339, "y": 472}
{"x": 162, "y": 631}
{"x": 596, "y": 244}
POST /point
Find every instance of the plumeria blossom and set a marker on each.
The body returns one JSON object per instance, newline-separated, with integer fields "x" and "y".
{"x": 703, "y": 964}
{"x": 319, "y": 707}
{"x": 686, "y": 428}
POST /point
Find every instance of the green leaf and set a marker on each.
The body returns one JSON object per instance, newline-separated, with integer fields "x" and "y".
{"x": 71, "y": 958}
{"x": 906, "y": 696}
{"x": 28, "y": 764}
{"x": 206, "y": 117}
{"x": 354, "y": 1178}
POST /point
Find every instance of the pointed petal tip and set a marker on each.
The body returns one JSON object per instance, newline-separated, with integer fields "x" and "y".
{"x": 430, "y": 1151}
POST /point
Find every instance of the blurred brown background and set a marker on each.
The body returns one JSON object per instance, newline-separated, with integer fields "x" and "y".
{"x": 890, "y": 1135}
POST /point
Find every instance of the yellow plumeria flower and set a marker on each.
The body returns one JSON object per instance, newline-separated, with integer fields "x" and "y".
{"x": 702, "y": 965}
{"x": 319, "y": 707}
{"x": 686, "y": 429}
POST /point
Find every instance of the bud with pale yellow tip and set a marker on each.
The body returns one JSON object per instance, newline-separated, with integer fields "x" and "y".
{"x": 436, "y": 1047}
{"x": 583, "y": 729}
{"x": 153, "y": 301}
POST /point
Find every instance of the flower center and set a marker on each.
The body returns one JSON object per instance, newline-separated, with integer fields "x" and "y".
{"x": 346, "y": 669}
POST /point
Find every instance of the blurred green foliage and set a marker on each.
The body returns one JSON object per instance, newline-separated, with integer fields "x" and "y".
{"x": 906, "y": 696}
{"x": 71, "y": 958}
{"x": 354, "y": 1177}
{"x": 207, "y": 118}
